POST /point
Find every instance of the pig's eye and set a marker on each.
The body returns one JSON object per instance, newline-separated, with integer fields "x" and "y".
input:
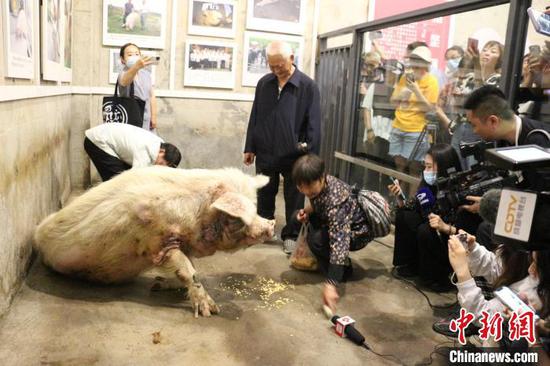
{"x": 234, "y": 224}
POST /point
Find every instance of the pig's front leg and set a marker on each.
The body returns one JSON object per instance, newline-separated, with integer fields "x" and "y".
{"x": 178, "y": 263}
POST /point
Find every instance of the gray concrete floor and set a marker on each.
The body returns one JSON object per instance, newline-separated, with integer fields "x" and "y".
{"x": 55, "y": 320}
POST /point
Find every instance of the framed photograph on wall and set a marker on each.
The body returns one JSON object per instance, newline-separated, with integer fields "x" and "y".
{"x": 115, "y": 66}
{"x": 255, "y": 58}
{"x": 281, "y": 16}
{"x": 67, "y": 37}
{"x": 52, "y": 53}
{"x": 142, "y": 22}
{"x": 212, "y": 18}
{"x": 209, "y": 64}
{"x": 18, "y": 29}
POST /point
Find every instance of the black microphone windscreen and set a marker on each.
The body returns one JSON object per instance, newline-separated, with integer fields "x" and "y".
{"x": 334, "y": 319}
{"x": 488, "y": 206}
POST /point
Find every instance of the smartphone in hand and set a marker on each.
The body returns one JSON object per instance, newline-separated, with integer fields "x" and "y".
{"x": 396, "y": 182}
{"x": 472, "y": 44}
{"x": 512, "y": 301}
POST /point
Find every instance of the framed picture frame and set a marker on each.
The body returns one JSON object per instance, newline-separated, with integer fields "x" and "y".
{"x": 19, "y": 31}
{"x": 52, "y": 52}
{"x": 281, "y": 16}
{"x": 209, "y": 64}
{"x": 115, "y": 66}
{"x": 142, "y": 22}
{"x": 66, "y": 39}
{"x": 215, "y": 18}
{"x": 255, "y": 58}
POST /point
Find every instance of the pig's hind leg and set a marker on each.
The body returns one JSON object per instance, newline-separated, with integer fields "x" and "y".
{"x": 178, "y": 263}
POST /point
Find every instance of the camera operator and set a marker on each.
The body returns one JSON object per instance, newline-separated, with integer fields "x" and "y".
{"x": 421, "y": 235}
{"x": 493, "y": 120}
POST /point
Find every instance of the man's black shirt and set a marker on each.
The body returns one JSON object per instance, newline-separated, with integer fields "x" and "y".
{"x": 279, "y": 121}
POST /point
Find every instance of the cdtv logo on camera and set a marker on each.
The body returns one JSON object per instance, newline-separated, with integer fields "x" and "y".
{"x": 114, "y": 113}
{"x": 515, "y": 214}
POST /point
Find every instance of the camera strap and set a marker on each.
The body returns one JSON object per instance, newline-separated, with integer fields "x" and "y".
{"x": 546, "y": 133}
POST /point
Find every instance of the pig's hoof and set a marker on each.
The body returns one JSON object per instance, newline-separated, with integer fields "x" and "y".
{"x": 202, "y": 302}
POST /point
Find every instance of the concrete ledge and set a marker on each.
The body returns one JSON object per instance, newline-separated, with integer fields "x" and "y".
{"x": 12, "y": 93}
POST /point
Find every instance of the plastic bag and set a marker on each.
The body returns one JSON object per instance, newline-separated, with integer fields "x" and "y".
{"x": 302, "y": 258}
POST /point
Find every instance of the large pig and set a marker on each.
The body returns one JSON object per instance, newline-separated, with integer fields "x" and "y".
{"x": 155, "y": 216}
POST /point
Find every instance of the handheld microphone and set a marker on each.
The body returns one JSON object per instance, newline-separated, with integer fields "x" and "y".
{"x": 426, "y": 200}
{"x": 352, "y": 333}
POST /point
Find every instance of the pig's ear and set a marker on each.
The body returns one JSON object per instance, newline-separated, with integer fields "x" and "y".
{"x": 260, "y": 181}
{"x": 236, "y": 205}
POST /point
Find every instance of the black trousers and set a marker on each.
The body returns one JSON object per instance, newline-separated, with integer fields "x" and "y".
{"x": 418, "y": 245}
{"x": 318, "y": 241}
{"x": 294, "y": 200}
{"x": 107, "y": 165}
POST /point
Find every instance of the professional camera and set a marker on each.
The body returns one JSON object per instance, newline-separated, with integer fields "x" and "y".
{"x": 521, "y": 217}
{"x": 453, "y": 190}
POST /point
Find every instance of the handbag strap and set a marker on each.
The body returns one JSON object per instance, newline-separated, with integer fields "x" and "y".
{"x": 131, "y": 89}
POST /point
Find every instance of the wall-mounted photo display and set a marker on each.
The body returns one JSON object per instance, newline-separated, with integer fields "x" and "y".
{"x": 18, "y": 18}
{"x": 209, "y": 64}
{"x": 281, "y": 16}
{"x": 115, "y": 66}
{"x": 142, "y": 22}
{"x": 212, "y": 18}
{"x": 67, "y": 38}
{"x": 52, "y": 53}
{"x": 255, "y": 57}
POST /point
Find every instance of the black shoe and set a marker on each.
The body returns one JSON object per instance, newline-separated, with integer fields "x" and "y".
{"x": 348, "y": 272}
{"x": 441, "y": 286}
{"x": 406, "y": 271}
{"x": 442, "y": 327}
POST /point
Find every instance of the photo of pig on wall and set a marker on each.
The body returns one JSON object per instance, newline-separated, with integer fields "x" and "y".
{"x": 212, "y": 18}
{"x": 138, "y": 21}
{"x": 155, "y": 217}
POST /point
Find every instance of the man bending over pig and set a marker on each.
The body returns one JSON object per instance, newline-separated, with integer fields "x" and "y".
{"x": 116, "y": 147}
{"x": 154, "y": 216}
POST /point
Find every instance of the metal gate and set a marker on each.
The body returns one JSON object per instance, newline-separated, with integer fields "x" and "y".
{"x": 332, "y": 76}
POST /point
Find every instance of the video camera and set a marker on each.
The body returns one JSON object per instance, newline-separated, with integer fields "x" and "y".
{"x": 523, "y": 216}
{"x": 453, "y": 190}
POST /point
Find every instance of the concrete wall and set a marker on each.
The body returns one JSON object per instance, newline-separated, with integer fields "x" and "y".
{"x": 34, "y": 178}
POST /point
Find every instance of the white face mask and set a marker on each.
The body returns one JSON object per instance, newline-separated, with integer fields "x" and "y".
{"x": 131, "y": 61}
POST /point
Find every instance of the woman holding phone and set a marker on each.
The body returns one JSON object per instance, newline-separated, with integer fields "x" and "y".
{"x": 137, "y": 72}
{"x": 420, "y": 236}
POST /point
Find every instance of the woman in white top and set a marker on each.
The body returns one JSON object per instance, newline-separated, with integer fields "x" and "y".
{"x": 506, "y": 267}
{"x": 136, "y": 71}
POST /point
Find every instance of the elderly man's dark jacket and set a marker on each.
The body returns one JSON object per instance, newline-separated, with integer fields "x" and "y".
{"x": 279, "y": 122}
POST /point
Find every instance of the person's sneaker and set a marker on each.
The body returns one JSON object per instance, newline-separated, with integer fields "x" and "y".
{"x": 289, "y": 245}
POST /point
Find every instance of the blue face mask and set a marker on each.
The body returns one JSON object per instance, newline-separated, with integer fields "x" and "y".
{"x": 430, "y": 177}
{"x": 452, "y": 64}
{"x": 131, "y": 61}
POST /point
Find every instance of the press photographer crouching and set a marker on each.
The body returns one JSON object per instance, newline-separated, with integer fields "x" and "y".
{"x": 421, "y": 234}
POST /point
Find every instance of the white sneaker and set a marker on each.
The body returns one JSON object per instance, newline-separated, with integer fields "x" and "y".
{"x": 289, "y": 245}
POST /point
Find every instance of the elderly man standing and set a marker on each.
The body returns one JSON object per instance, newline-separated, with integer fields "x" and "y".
{"x": 284, "y": 124}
